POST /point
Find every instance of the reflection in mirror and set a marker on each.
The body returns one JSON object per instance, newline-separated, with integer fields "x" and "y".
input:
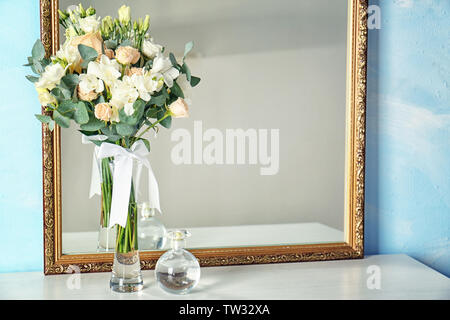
{"x": 261, "y": 160}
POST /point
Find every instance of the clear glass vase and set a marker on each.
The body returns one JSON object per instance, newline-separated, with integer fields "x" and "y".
{"x": 152, "y": 233}
{"x": 177, "y": 271}
{"x": 126, "y": 272}
{"x": 106, "y": 234}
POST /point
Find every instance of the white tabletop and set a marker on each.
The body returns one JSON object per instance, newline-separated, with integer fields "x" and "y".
{"x": 227, "y": 236}
{"x": 401, "y": 277}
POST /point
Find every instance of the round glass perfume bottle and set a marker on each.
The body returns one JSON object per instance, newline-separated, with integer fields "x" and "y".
{"x": 151, "y": 232}
{"x": 177, "y": 271}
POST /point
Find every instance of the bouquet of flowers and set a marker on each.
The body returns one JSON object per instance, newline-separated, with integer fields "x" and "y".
{"x": 116, "y": 83}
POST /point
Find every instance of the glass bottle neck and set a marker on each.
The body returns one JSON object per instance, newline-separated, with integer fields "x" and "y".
{"x": 178, "y": 244}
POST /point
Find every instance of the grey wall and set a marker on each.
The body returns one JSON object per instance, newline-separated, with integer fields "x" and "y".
{"x": 261, "y": 69}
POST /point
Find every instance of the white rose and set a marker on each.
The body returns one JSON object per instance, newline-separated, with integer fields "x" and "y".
{"x": 150, "y": 49}
{"x": 179, "y": 109}
{"x": 123, "y": 92}
{"x": 90, "y": 24}
{"x": 51, "y": 77}
{"x": 89, "y": 82}
{"x": 163, "y": 66}
{"x": 106, "y": 69}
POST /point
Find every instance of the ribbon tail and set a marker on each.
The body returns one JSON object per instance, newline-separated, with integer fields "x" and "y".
{"x": 153, "y": 190}
{"x": 123, "y": 171}
{"x": 95, "y": 175}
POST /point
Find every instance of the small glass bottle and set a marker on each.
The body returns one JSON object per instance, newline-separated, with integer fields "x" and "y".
{"x": 151, "y": 232}
{"x": 177, "y": 271}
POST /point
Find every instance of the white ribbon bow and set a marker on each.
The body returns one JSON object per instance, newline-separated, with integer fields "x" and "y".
{"x": 122, "y": 176}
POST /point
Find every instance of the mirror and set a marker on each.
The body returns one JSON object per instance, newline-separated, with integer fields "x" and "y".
{"x": 270, "y": 156}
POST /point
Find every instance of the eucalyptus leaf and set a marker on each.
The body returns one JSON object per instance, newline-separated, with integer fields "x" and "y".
{"x": 81, "y": 115}
{"x": 61, "y": 120}
{"x": 70, "y": 80}
{"x": 93, "y": 124}
{"x": 173, "y": 60}
{"x": 167, "y": 122}
{"x": 152, "y": 112}
{"x": 125, "y": 130}
{"x": 51, "y": 125}
{"x": 43, "y": 118}
{"x": 176, "y": 90}
{"x": 159, "y": 100}
{"x": 37, "y": 67}
{"x": 38, "y": 51}
{"x": 185, "y": 69}
{"x": 111, "y": 133}
{"x": 87, "y": 53}
{"x": 32, "y": 78}
{"x": 67, "y": 108}
{"x": 194, "y": 81}
{"x": 187, "y": 48}
{"x": 146, "y": 142}
{"x": 111, "y": 44}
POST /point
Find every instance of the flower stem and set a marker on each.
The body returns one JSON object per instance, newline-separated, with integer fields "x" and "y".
{"x": 153, "y": 125}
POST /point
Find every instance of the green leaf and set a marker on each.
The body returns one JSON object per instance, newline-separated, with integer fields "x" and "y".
{"x": 61, "y": 93}
{"x": 32, "y": 78}
{"x": 70, "y": 80}
{"x": 67, "y": 108}
{"x": 167, "y": 122}
{"x": 43, "y": 118}
{"x": 87, "y": 53}
{"x": 51, "y": 125}
{"x": 61, "y": 120}
{"x": 194, "y": 81}
{"x": 125, "y": 130}
{"x": 158, "y": 100}
{"x": 187, "y": 48}
{"x": 152, "y": 112}
{"x": 93, "y": 124}
{"x": 111, "y": 133}
{"x": 38, "y": 51}
{"x": 37, "y": 67}
{"x": 173, "y": 60}
{"x": 81, "y": 114}
{"x": 146, "y": 142}
{"x": 126, "y": 43}
{"x": 185, "y": 69}
{"x": 176, "y": 90}
{"x": 111, "y": 44}
{"x": 133, "y": 119}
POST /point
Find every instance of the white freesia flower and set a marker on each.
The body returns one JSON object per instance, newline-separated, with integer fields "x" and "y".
{"x": 90, "y": 24}
{"x": 45, "y": 98}
{"x": 124, "y": 94}
{"x": 71, "y": 33}
{"x": 89, "y": 83}
{"x": 150, "y": 49}
{"x": 146, "y": 85}
{"x": 51, "y": 76}
{"x": 106, "y": 69}
{"x": 163, "y": 66}
{"x": 69, "y": 53}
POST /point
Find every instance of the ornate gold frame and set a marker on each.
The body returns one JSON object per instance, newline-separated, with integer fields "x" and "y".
{"x": 55, "y": 262}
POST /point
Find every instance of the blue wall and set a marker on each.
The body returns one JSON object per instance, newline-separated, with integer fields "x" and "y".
{"x": 20, "y": 142}
{"x": 408, "y": 135}
{"x": 408, "y": 132}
